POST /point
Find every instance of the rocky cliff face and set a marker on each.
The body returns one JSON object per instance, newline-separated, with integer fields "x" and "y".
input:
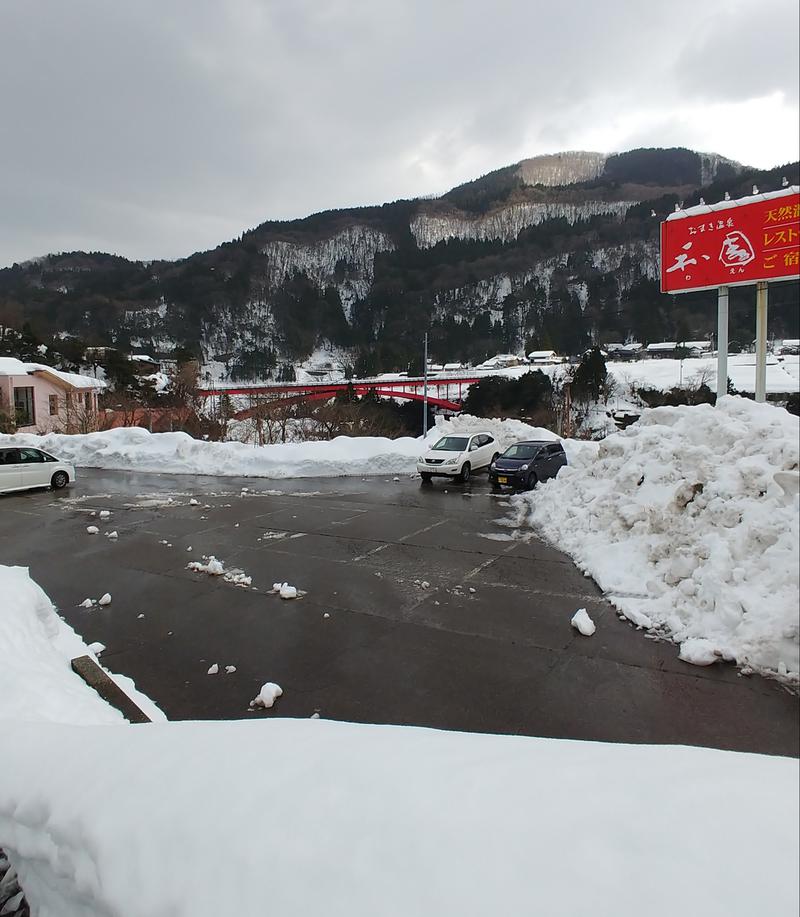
{"x": 562, "y": 168}
{"x": 556, "y": 250}
{"x": 346, "y": 262}
{"x": 505, "y": 225}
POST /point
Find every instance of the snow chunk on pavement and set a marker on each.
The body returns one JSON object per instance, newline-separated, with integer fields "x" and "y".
{"x": 285, "y": 591}
{"x": 105, "y": 599}
{"x": 87, "y": 603}
{"x": 92, "y": 529}
{"x": 583, "y": 623}
{"x": 267, "y": 696}
{"x": 213, "y": 669}
{"x": 105, "y": 514}
{"x": 230, "y": 669}
{"x": 96, "y": 648}
{"x": 112, "y": 535}
{"x": 698, "y": 651}
{"x": 212, "y": 567}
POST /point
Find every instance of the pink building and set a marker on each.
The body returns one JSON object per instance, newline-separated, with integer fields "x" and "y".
{"x": 36, "y": 399}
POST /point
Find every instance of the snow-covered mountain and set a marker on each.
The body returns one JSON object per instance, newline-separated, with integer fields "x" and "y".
{"x": 555, "y": 250}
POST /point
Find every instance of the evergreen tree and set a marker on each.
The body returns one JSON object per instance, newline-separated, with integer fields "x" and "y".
{"x": 590, "y": 377}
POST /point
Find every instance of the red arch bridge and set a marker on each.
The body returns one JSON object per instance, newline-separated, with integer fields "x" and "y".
{"x": 443, "y": 392}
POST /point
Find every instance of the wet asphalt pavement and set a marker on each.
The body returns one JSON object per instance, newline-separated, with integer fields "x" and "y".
{"x": 487, "y": 646}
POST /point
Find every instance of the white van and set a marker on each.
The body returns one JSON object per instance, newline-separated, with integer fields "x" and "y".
{"x": 22, "y": 468}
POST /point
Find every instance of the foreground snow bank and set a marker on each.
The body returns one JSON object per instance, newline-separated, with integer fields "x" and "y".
{"x": 177, "y": 453}
{"x": 311, "y": 817}
{"x": 36, "y": 646}
{"x": 689, "y": 520}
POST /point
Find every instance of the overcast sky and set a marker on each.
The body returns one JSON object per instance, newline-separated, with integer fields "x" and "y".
{"x": 153, "y": 128}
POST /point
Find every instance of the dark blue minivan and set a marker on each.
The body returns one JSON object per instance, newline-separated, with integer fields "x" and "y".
{"x": 524, "y": 464}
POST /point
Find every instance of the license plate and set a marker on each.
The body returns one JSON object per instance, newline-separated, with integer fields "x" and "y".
{"x": 502, "y": 480}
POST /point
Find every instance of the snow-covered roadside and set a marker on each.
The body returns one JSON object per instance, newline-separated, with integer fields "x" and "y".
{"x": 36, "y": 646}
{"x": 301, "y": 817}
{"x": 137, "y": 449}
{"x": 688, "y": 520}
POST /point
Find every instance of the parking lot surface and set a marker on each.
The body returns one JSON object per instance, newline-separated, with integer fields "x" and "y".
{"x": 416, "y": 607}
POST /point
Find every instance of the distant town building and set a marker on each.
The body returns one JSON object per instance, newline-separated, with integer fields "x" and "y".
{"x": 143, "y": 364}
{"x": 501, "y": 361}
{"x": 542, "y": 357}
{"x": 670, "y": 349}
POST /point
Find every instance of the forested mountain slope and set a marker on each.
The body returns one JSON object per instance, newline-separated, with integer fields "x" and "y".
{"x": 554, "y": 251}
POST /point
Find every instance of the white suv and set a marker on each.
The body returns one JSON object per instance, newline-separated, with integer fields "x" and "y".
{"x": 458, "y": 455}
{"x": 23, "y": 468}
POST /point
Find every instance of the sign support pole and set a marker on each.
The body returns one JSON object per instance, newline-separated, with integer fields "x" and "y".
{"x": 722, "y": 342}
{"x": 425, "y": 392}
{"x": 761, "y": 341}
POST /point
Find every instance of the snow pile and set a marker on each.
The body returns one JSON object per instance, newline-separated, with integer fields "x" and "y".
{"x": 36, "y": 646}
{"x": 504, "y": 431}
{"x": 284, "y": 590}
{"x": 688, "y": 520}
{"x": 178, "y": 453}
{"x": 306, "y": 817}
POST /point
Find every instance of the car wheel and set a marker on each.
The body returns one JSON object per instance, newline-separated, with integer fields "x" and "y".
{"x": 426, "y": 478}
{"x": 60, "y": 479}
{"x": 532, "y": 481}
{"x": 466, "y": 471}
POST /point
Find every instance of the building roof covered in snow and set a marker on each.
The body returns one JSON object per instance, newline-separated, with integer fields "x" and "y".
{"x": 142, "y": 358}
{"x": 11, "y": 366}
{"x": 729, "y": 205}
{"x": 542, "y": 355}
{"x": 661, "y": 346}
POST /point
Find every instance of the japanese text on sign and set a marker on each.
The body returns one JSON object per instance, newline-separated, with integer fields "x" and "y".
{"x": 742, "y": 243}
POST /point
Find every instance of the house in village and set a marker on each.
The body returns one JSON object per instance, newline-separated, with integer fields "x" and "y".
{"x": 36, "y": 398}
{"x": 633, "y": 350}
{"x": 544, "y": 357}
{"x": 671, "y": 349}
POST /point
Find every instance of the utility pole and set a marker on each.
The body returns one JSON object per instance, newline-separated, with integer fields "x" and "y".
{"x": 425, "y": 391}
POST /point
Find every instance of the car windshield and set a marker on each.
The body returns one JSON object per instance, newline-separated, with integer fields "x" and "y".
{"x": 451, "y": 444}
{"x": 521, "y": 451}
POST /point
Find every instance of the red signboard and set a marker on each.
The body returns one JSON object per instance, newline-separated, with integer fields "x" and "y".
{"x": 733, "y": 243}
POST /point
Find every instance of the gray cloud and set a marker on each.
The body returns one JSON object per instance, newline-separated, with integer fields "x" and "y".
{"x": 154, "y": 129}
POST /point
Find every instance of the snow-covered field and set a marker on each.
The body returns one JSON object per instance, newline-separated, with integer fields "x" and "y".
{"x": 666, "y": 374}
{"x": 688, "y": 520}
{"x": 178, "y": 453}
{"x": 783, "y": 374}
